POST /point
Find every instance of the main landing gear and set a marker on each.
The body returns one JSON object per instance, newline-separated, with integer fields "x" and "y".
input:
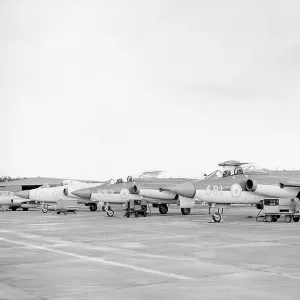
{"x": 93, "y": 207}
{"x": 185, "y": 211}
{"x": 163, "y": 208}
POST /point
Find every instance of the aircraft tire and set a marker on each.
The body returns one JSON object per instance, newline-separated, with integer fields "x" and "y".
{"x": 163, "y": 209}
{"x": 216, "y": 217}
{"x": 274, "y": 218}
{"x": 44, "y": 210}
{"x": 269, "y": 218}
{"x": 103, "y": 207}
{"x": 93, "y": 207}
{"x": 110, "y": 213}
{"x": 25, "y": 208}
{"x": 58, "y": 212}
{"x": 296, "y": 219}
{"x": 288, "y": 219}
{"x": 185, "y": 211}
{"x": 13, "y": 208}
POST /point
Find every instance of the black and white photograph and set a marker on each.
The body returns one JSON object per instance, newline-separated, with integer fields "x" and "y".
{"x": 149, "y": 149}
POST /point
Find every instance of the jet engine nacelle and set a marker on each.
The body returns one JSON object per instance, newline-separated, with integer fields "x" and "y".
{"x": 134, "y": 190}
{"x": 15, "y": 203}
{"x": 166, "y": 195}
{"x": 271, "y": 190}
{"x": 184, "y": 202}
{"x": 251, "y": 185}
{"x": 65, "y": 191}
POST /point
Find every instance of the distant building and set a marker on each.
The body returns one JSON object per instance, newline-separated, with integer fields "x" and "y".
{"x": 28, "y": 183}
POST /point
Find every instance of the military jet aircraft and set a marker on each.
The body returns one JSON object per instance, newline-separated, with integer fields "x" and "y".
{"x": 8, "y": 200}
{"x": 239, "y": 183}
{"x": 49, "y": 194}
{"x": 144, "y": 187}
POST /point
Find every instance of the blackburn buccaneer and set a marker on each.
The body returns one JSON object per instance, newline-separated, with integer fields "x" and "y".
{"x": 49, "y": 194}
{"x": 8, "y": 200}
{"x": 239, "y": 183}
{"x": 141, "y": 188}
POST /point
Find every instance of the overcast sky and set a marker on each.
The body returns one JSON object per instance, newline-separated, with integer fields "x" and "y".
{"x": 100, "y": 89}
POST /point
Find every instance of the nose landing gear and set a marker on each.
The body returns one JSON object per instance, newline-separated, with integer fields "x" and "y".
{"x": 109, "y": 212}
{"x": 217, "y": 216}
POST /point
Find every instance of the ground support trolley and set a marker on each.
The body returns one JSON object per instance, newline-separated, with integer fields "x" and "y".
{"x": 62, "y": 206}
{"x": 272, "y": 210}
{"x": 136, "y": 208}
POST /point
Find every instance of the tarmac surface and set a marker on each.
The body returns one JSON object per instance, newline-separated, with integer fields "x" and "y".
{"x": 91, "y": 256}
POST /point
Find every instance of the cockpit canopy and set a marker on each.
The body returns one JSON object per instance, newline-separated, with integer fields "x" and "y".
{"x": 232, "y": 170}
{"x": 131, "y": 179}
{"x": 50, "y": 185}
{"x": 120, "y": 180}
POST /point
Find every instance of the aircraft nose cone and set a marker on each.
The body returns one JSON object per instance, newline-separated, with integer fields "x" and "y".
{"x": 186, "y": 189}
{"x": 23, "y": 194}
{"x": 83, "y": 193}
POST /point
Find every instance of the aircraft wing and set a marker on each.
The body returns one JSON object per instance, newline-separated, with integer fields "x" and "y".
{"x": 290, "y": 183}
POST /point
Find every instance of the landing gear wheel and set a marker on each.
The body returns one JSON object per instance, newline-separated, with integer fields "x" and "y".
{"x": 136, "y": 214}
{"x": 288, "y": 219}
{"x": 58, "y": 212}
{"x": 44, "y": 210}
{"x": 103, "y": 207}
{"x": 268, "y": 218}
{"x": 93, "y": 207}
{"x": 25, "y": 208}
{"x": 274, "y": 218}
{"x": 296, "y": 219}
{"x": 216, "y": 217}
{"x": 163, "y": 209}
{"x": 110, "y": 213}
{"x": 13, "y": 208}
{"x": 185, "y": 211}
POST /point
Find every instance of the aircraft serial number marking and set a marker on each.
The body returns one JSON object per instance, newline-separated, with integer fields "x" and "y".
{"x": 235, "y": 190}
{"x": 105, "y": 193}
{"x": 214, "y": 190}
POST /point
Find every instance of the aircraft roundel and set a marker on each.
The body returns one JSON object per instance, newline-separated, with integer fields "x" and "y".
{"x": 56, "y": 195}
{"x": 236, "y": 190}
{"x": 124, "y": 193}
